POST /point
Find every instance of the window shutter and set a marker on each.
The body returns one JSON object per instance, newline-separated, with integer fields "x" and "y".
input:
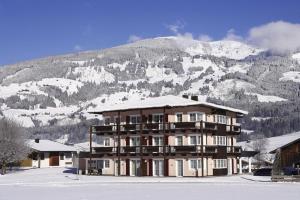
{"x": 166, "y": 118}
{"x": 150, "y": 167}
{"x": 127, "y": 167}
{"x": 150, "y": 140}
{"x": 127, "y": 141}
{"x": 127, "y": 119}
{"x": 166, "y": 167}
{"x": 166, "y": 140}
{"x": 150, "y": 118}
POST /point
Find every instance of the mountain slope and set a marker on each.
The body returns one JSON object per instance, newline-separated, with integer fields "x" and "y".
{"x": 57, "y": 91}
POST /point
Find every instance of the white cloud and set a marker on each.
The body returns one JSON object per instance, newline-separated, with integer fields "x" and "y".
{"x": 205, "y": 38}
{"x": 77, "y": 47}
{"x": 176, "y": 27}
{"x": 133, "y": 38}
{"x": 279, "y": 37}
{"x": 231, "y": 35}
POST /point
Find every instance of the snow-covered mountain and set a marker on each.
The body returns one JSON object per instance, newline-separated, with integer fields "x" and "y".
{"x": 57, "y": 91}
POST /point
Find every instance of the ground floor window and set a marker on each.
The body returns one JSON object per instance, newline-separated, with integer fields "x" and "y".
{"x": 220, "y": 163}
{"x": 195, "y": 164}
{"x": 106, "y": 164}
{"x": 99, "y": 164}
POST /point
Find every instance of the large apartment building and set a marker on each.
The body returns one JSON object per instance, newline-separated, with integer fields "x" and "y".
{"x": 166, "y": 136}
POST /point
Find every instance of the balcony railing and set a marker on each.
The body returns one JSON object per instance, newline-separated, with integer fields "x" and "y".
{"x": 173, "y": 126}
{"x": 184, "y": 149}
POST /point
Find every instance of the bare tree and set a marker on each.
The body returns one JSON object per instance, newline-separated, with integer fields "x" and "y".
{"x": 276, "y": 170}
{"x": 13, "y": 146}
{"x": 260, "y": 144}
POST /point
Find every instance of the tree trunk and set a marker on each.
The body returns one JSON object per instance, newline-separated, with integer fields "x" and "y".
{"x": 3, "y": 168}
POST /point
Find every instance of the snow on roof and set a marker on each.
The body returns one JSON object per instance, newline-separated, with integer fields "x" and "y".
{"x": 162, "y": 101}
{"x": 85, "y": 146}
{"x": 272, "y": 143}
{"x": 48, "y": 145}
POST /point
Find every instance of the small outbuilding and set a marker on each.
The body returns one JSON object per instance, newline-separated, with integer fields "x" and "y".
{"x": 47, "y": 153}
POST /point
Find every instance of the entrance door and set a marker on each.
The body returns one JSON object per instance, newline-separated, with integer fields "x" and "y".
{"x": 54, "y": 159}
{"x": 135, "y": 167}
{"x": 179, "y": 167}
{"x": 158, "y": 167}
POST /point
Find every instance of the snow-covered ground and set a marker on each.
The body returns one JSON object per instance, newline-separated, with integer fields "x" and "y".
{"x": 56, "y": 183}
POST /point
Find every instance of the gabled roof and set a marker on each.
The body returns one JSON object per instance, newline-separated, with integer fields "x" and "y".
{"x": 160, "y": 102}
{"x": 273, "y": 143}
{"x": 49, "y": 146}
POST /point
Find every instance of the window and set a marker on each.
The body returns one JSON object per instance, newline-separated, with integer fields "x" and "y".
{"x": 135, "y": 119}
{"x": 92, "y": 164}
{"x": 220, "y": 163}
{"x": 135, "y": 141}
{"x": 178, "y": 117}
{"x": 221, "y": 119}
{"x": 219, "y": 140}
{"x": 106, "y": 164}
{"x": 68, "y": 155}
{"x": 106, "y": 142}
{"x": 196, "y": 116}
{"x": 106, "y": 120}
{"x": 116, "y": 119}
{"x": 157, "y": 141}
{"x": 61, "y": 156}
{"x": 179, "y": 140}
{"x": 194, "y": 140}
{"x": 195, "y": 164}
{"x": 158, "y": 118}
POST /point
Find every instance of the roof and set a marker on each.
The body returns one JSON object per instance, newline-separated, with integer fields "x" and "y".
{"x": 273, "y": 143}
{"x": 85, "y": 146}
{"x": 159, "y": 102}
{"x": 50, "y": 146}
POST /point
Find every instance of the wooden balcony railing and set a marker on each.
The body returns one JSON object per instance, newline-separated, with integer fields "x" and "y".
{"x": 233, "y": 129}
{"x": 184, "y": 149}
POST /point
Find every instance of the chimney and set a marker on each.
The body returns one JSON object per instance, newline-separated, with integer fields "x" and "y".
{"x": 194, "y": 98}
{"x": 37, "y": 140}
{"x": 185, "y": 96}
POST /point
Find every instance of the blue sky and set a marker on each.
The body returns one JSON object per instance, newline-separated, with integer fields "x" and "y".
{"x": 38, "y": 28}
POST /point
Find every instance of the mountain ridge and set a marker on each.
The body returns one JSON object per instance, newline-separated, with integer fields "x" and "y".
{"x": 57, "y": 91}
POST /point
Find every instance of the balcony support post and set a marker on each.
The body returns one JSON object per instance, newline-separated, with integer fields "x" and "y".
{"x": 119, "y": 144}
{"x": 202, "y": 149}
{"x": 240, "y": 166}
{"x": 141, "y": 141}
{"x": 91, "y": 151}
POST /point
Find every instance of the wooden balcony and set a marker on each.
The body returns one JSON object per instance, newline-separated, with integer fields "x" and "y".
{"x": 169, "y": 150}
{"x": 170, "y": 126}
{"x": 234, "y": 149}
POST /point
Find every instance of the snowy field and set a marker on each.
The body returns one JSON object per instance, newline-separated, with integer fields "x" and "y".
{"x": 58, "y": 184}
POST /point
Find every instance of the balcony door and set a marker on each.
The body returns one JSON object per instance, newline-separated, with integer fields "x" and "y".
{"x": 158, "y": 167}
{"x": 135, "y": 168}
{"x": 179, "y": 167}
{"x": 158, "y": 141}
